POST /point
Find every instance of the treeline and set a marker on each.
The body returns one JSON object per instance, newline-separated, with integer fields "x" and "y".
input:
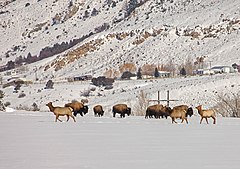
{"x": 44, "y": 53}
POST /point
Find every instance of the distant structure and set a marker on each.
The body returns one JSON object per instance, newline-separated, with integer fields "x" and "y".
{"x": 222, "y": 69}
{"x": 215, "y": 70}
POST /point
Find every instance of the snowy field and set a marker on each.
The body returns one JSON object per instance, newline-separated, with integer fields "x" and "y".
{"x": 32, "y": 140}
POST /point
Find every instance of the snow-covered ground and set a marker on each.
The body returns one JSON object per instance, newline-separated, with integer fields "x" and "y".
{"x": 192, "y": 91}
{"x": 33, "y": 140}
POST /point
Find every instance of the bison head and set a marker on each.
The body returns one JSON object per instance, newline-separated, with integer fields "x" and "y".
{"x": 85, "y": 109}
{"x": 189, "y": 112}
{"x": 128, "y": 111}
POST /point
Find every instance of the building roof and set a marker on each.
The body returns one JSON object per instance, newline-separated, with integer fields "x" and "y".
{"x": 220, "y": 67}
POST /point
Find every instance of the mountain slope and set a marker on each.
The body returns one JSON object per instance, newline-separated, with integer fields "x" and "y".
{"x": 95, "y": 36}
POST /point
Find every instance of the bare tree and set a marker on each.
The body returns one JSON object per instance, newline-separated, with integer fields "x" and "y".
{"x": 141, "y": 105}
{"x": 228, "y": 104}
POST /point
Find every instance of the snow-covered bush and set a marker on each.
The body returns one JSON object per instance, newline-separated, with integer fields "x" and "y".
{"x": 85, "y": 93}
{"x": 2, "y": 107}
{"x": 21, "y": 95}
{"x": 1, "y": 94}
{"x": 141, "y": 105}
{"x": 228, "y": 104}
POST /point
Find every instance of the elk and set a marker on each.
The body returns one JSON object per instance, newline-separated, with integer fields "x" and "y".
{"x": 61, "y": 111}
{"x": 206, "y": 114}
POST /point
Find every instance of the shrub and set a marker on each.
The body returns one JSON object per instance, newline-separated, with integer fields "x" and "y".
{"x": 1, "y": 94}
{"x": 35, "y": 107}
{"x": 228, "y": 104}
{"x": 85, "y": 93}
{"x": 84, "y": 101}
{"x": 7, "y": 104}
{"x": 102, "y": 81}
{"x": 17, "y": 87}
{"x": 141, "y": 105}
{"x": 21, "y": 95}
{"x": 2, "y": 107}
{"x": 127, "y": 75}
{"x": 49, "y": 85}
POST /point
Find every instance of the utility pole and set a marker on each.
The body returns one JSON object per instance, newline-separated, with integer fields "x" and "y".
{"x": 210, "y": 64}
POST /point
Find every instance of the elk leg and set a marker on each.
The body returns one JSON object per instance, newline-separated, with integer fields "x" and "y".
{"x": 58, "y": 118}
{"x": 73, "y": 118}
{"x": 182, "y": 120}
{"x": 67, "y": 117}
{"x": 201, "y": 120}
{"x": 206, "y": 120}
{"x": 186, "y": 120}
{"x": 214, "y": 120}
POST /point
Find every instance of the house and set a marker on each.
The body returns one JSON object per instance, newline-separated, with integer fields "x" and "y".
{"x": 163, "y": 74}
{"x": 204, "y": 72}
{"x": 222, "y": 69}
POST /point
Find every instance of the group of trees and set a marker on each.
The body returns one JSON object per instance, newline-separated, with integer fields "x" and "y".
{"x": 44, "y": 53}
{"x": 128, "y": 70}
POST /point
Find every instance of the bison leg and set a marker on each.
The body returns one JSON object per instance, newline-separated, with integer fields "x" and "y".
{"x": 114, "y": 114}
{"x": 75, "y": 113}
{"x": 81, "y": 114}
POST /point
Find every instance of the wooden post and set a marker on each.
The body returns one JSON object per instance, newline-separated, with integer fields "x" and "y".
{"x": 158, "y": 97}
{"x": 168, "y": 98}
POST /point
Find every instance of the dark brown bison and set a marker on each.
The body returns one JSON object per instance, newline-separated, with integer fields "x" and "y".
{"x": 78, "y": 108}
{"x": 98, "y": 111}
{"x": 121, "y": 109}
{"x": 156, "y": 111}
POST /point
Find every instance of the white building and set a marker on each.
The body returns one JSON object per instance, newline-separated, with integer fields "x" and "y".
{"x": 222, "y": 69}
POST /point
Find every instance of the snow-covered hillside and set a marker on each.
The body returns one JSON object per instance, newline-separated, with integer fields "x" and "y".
{"x": 109, "y": 33}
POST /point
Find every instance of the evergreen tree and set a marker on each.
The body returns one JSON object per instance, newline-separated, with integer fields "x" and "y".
{"x": 156, "y": 73}
{"x": 49, "y": 84}
{"x": 183, "y": 72}
{"x": 139, "y": 74}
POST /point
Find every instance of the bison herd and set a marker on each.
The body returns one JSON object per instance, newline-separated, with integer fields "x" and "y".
{"x": 154, "y": 111}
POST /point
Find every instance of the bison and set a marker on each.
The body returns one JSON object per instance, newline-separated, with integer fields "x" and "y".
{"x": 157, "y": 111}
{"x": 121, "y": 109}
{"x": 98, "y": 110}
{"x": 78, "y": 108}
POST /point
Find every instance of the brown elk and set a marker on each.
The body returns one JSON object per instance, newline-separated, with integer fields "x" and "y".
{"x": 61, "y": 111}
{"x": 206, "y": 114}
